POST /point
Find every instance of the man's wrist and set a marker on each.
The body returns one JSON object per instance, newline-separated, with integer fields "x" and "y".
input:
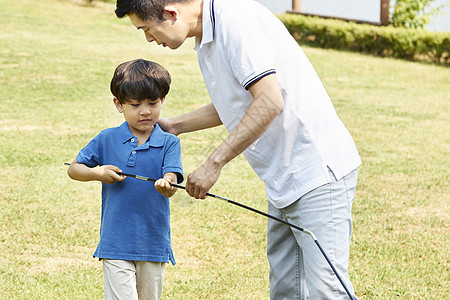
{"x": 218, "y": 159}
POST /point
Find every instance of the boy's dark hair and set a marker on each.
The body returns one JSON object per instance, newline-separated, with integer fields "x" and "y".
{"x": 145, "y": 9}
{"x": 140, "y": 79}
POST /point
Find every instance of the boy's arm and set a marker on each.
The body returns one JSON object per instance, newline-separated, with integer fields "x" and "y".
{"x": 106, "y": 174}
{"x": 202, "y": 118}
{"x": 164, "y": 186}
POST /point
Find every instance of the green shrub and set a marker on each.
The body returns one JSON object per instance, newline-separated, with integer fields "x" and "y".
{"x": 414, "y": 13}
{"x": 375, "y": 40}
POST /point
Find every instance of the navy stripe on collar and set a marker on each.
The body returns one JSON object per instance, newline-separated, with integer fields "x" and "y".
{"x": 258, "y": 77}
{"x": 213, "y": 18}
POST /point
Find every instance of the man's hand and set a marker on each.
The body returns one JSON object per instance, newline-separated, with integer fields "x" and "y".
{"x": 201, "y": 180}
{"x": 167, "y": 126}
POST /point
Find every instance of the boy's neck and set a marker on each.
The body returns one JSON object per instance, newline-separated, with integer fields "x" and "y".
{"x": 143, "y": 136}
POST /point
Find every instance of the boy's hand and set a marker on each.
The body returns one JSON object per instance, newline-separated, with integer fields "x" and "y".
{"x": 164, "y": 186}
{"x": 108, "y": 174}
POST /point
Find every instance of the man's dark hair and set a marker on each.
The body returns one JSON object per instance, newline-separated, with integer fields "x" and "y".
{"x": 145, "y": 9}
{"x": 140, "y": 79}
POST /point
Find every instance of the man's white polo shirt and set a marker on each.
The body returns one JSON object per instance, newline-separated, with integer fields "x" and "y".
{"x": 242, "y": 42}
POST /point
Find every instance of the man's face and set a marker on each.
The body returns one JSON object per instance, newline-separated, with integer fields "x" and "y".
{"x": 167, "y": 33}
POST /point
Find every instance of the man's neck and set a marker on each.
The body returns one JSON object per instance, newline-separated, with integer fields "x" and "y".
{"x": 194, "y": 12}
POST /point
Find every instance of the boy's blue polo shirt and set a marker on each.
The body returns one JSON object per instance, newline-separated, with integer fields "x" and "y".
{"x": 135, "y": 222}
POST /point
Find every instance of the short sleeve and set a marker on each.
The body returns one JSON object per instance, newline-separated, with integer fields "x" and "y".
{"x": 90, "y": 154}
{"x": 172, "y": 158}
{"x": 246, "y": 44}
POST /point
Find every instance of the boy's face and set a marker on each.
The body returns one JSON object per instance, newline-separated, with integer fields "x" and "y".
{"x": 169, "y": 33}
{"x": 140, "y": 115}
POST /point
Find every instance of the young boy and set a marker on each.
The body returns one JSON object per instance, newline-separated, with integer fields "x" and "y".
{"x": 268, "y": 95}
{"x": 135, "y": 224}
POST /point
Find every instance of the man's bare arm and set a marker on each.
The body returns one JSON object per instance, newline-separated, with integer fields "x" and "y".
{"x": 267, "y": 104}
{"x": 202, "y": 118}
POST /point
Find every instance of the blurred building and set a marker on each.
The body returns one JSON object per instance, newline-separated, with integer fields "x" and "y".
{"x": 367, "y": 10}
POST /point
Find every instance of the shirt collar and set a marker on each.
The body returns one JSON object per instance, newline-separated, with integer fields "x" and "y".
{"x": 156, "y": 138}
{"x": 209, "y": 24}
{"x": 125, "y": 133}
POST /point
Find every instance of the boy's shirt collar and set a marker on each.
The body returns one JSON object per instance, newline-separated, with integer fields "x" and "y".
{"x": 209, "y": 24}
{"x": 156, "y": 138}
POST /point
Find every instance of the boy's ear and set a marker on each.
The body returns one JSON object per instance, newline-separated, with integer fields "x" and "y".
{"x": 162, "y": 100}
{"x": 118, "y": 105}
{"x": 170, "y": 12}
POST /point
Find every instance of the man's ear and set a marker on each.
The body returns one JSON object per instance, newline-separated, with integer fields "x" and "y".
{"x": 118, "y": 105}
{"x": 170, "y": 13}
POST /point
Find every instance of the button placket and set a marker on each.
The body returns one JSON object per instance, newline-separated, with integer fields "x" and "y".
{"x": 133, "y": 154}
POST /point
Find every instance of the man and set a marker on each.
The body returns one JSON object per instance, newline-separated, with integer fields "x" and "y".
{"x": 278, "y": 114}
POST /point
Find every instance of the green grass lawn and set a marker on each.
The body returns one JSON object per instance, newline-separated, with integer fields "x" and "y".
{"x": 56, "y": 62}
